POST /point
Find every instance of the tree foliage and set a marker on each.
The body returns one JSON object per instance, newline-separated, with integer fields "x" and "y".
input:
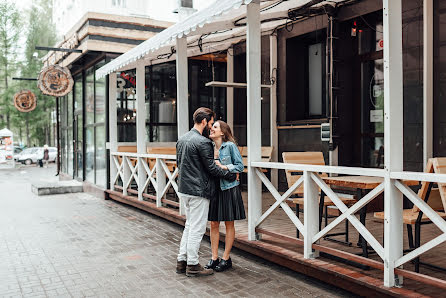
{"x": 10, "y": 31}
{"x": 32, "y": 128}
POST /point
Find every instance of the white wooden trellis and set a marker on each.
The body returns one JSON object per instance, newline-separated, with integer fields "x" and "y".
{"x": 129, "y": 172}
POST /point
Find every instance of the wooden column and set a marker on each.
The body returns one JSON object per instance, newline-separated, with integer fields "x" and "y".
{"x": 428, "y": 80}
{"x": 141, "y": 135}
{"x": 230, "y": 90}
{"x": 112, "y": 125}
{"x": 254, "y": 115}
{"x": 182, "y": 87}
{"x": 274, "y": 134}
{"x": 393, "y": 137}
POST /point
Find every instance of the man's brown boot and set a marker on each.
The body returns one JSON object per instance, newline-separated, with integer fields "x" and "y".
{"x": 181, "y": 267}
{"x": 198, "y": 270}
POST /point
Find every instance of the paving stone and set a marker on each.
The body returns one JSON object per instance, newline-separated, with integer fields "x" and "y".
{"x": 75, "y": 245}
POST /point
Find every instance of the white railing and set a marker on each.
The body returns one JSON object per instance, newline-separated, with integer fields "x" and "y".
{"x": 133, "y": 171}
{"x": 391, "y": 252}
{"x": 134, "y": 167}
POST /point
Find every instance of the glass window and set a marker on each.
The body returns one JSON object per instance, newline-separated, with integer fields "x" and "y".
{"x": 79, "y": 145}
{"x": 126, "y": 102}
{"x": 70, "y": 109}
{"x": 101, "y": 160}
{"x": 70, "y": 152}
{"x": 89, "y": 100}
{"x": 100, "y": 95}
{"x": 305, "y": 79}
{"x": 78, "y": 93}
{"x": 89, "y": 154}
{"x": 63, "y": 153}
{"x": 100, "y": 100}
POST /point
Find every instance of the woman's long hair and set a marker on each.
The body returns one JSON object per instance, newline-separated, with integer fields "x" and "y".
{"x": 227, "y": 133}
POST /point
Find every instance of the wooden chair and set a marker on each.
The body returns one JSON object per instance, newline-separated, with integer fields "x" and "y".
{"x": 165, "y": 151}
{"x": 131, "y": 149}
{"x": 313, "y": 158}
{"x": 267, "y": 153}
{"x": 434, "y": 197}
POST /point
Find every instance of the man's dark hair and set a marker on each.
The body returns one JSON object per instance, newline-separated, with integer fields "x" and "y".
{"x": 203, "y": 113}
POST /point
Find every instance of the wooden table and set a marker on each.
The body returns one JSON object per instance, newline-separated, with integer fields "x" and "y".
{"x": 363, "y": 185}
{"x": 360, "y": 182}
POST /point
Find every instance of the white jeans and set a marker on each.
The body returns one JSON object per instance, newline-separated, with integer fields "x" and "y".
{"x": 197, "y": 210}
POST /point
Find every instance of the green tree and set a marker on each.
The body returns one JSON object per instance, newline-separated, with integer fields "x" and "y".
{"x": 36, "y": 125}
{"x": 10, "y": 30}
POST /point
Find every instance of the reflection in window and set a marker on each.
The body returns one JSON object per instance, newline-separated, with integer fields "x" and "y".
{"x": 101, "y": 161}
{"x": 89, "y": 102}
{"x": 89, "y": 154}
{"x": 100, "y": 95}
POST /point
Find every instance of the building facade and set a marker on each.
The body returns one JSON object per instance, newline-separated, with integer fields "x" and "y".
{"x": 83, "y": 112}
{"x": 308, "y": 93}
{"x": 66, "y": 13}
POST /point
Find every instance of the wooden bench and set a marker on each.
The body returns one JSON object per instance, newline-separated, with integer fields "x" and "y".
{"x": 311, "y": 158}
{"x": 131, "y": 149}
{"x": 150, "y": 150}
{"x": 267, "y": 153}
{"x": 171, "y": 164}
{"x": 434, "y": 197}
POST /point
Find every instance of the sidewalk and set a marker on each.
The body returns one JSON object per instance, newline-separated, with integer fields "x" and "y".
{"x": 76, "y": 245}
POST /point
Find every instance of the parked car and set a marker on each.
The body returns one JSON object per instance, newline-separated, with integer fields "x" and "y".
{"x": 32, "y": 155}
{"x": 17, "y": 150}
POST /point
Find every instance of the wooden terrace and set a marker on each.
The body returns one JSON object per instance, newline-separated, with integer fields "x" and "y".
{"x": 279, "y": 244}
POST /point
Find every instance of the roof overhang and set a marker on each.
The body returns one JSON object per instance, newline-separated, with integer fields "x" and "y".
{"x": 223, "y": 19}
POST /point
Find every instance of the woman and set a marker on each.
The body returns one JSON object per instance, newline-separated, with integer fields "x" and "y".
{"x": 227, "y": 206}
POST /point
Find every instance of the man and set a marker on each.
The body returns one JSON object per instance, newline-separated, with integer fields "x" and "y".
{"x": 196, "y": 165}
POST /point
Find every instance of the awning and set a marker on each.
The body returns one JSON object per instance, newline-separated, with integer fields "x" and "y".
{"x": 197, "y": 20}
{"x": 5, "y": 133}
{"x": 215, "y": 17}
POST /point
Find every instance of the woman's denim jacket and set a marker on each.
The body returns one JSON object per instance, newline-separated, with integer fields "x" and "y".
{"x": 230, "y": 156}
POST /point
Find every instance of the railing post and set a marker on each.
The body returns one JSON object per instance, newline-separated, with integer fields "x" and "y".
{"x": 393, "y": 137}
{"x": 254, "y": 116}
{"x": 113, "y": 126}
{"x": 274, "y": 133}
{"x": 182, "y": 86}
{"x": 311, "y": 215}
{"x": 160, "y": 182}
{"x": 141, "y": 135}
{"x": 127, "y": 173}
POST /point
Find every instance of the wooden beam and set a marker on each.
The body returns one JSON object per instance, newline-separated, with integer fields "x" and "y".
{"x": 229, "y": 90}
{"x": 141, "y": 135}
{"x": 182, "y": 87}
{"x": 254, "y": 114}
{"x": 428, "y": 80}
{"x": 393, "y": 137}
{"x": 274, "y": 133}
{"x": 231, "y": 85}
{"x": 112, "y": 126}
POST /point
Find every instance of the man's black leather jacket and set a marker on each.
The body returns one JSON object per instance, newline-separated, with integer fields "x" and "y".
{"x": 196, "y": 165}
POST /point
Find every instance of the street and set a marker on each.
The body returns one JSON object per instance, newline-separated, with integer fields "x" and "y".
{"x": 76, "y": 245}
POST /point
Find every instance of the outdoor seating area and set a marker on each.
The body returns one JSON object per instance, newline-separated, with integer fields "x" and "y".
{"x": 279, "y": 233}
{"x": 349, "y": 219}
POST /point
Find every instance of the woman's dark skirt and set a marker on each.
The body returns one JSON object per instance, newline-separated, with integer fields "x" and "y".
{"x": 227, "y": 205}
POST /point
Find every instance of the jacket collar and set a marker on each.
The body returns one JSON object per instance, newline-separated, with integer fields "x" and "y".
{"x": 224, "y": 144}
{"x": 196, "y": 131}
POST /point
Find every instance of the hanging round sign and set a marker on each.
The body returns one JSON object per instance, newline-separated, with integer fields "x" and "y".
{"x": 25, "y": 101}
{"x": 55, "y": 80}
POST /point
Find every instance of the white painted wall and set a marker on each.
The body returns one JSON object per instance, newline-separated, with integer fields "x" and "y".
{"x": 67, "y": 12}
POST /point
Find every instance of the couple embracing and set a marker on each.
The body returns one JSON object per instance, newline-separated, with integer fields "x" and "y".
{"x": 208, "y": 161}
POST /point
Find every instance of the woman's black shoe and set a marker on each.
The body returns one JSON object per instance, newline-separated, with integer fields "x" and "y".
{"x": 224, "y": 264}
{"x": 212, "y": 264}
